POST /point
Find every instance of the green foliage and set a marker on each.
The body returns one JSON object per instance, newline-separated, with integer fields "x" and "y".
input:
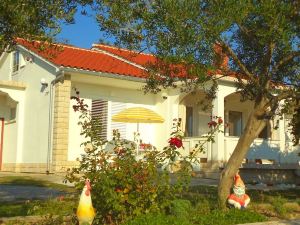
{"x": 233, "y": 216}
{"x": 203, "y": 206}
{"x": 180, "y": 208}
{"x": 278, "y": 204}
{"x": 214, "y": 217}
{"x": 34, "y": 19}
{"x": 14, "y": 209}
{"x": 156, "y": 219}
{"x": 51, "y": 206}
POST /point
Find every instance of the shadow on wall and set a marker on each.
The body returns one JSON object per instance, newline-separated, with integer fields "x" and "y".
{"x": 267, "y": 164}
{"x": 270, "y": 150}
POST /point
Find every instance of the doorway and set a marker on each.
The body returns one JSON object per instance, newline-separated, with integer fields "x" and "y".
{"x": 1, "y": 140}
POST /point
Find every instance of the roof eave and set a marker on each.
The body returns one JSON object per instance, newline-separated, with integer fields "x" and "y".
{"x": 102, "y": 74}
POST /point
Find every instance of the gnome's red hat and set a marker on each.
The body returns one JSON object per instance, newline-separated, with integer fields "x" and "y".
{"x": 238, "y": 181}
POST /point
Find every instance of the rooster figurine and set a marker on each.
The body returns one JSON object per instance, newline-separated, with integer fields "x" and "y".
{"x": 85, "y": 210}
{"x": 239, "y": 199}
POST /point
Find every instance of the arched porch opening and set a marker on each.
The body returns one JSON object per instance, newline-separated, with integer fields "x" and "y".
{"x": 8, "y": 128}
{"x": 195, "y": 111}
{"x": 265, "y": 147}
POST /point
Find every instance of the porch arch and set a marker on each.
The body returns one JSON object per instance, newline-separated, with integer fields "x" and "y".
{"x": 195, "y": 112}
{"x": 12, "y": 103}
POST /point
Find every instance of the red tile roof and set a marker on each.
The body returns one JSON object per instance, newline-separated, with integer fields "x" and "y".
{"x": 79, "y": 58}
{"x": 95, "y": 60}
{"x": 135, "y": 57}
{"x": 143, "y": 60}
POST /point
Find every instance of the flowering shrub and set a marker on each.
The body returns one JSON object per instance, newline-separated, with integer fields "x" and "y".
{"x": 124, "y": 187}
{"x": 146, "y": 147}
{"x": 175, "y": 142}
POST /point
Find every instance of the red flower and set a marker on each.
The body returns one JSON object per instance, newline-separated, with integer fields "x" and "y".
{"x": 220, "y": 120}
{"x": 175, "y": 142}
{"x": 212, "y": 124}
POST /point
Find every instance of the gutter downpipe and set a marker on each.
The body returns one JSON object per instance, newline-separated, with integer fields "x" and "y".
{"x": 59, "y": 77}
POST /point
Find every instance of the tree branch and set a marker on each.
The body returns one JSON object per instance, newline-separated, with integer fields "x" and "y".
{"x": 288, "y": 94}
{"x": 285, "y": 60}
{"x": 268, "y": 58}
{"x": 285, "y": 94}
{"x": 241, "y": 65}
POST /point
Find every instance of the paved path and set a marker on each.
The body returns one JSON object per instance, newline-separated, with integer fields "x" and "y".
{"x": 11, "y": 193}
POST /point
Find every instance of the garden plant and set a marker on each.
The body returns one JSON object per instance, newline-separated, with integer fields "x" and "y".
{"x": 124, "y": 187}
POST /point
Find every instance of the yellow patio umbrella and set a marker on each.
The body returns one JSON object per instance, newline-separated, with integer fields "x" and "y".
{"x": 137, "y": 115}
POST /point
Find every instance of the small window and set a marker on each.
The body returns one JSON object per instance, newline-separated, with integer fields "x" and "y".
{"x": 13, "y": 113}
{"x": 235, "y": 123}
{"x": 189, "y": 121}
{"x": 16, "y": 61}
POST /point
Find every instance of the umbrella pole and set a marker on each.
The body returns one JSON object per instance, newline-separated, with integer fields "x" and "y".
{"x": 138, "y": 138}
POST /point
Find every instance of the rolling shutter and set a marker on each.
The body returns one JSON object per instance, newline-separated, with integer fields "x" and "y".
{"x": 116, "y": 107}
{"x": 99, "y": 111}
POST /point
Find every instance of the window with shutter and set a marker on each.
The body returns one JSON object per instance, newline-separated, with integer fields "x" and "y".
{"x": 99, "y": 112}
{"x": 117, "y": 107}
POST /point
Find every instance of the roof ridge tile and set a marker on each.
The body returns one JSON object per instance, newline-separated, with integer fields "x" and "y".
{"x": 122, "y": 49}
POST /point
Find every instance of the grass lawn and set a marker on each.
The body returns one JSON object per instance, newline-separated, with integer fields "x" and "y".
{"x": 197, "y": 206}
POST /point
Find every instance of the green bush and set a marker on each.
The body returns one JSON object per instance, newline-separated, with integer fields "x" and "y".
{"x": 180, "y": 207}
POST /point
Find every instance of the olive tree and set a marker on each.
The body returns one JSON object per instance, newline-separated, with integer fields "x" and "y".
{"x": 261, "y": 39}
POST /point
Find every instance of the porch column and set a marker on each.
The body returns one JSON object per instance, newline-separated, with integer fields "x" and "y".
{"x": 217, "y": 154}
{"x": 282, "y": 134}
{"x": 61, "y": 124}
{"x": 20, "y": 129}
{"x": 226, "y": 119}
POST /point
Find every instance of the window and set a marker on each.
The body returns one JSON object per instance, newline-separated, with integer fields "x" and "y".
{"x": 13, "y": 112}
{"x": 99, "y": 114}
{"x": 189, "y": 122}
{"x": 16, "y": 61}
{"x": 235, "y": 123}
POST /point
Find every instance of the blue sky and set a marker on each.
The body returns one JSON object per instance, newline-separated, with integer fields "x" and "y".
{"x": 83, "y": 33}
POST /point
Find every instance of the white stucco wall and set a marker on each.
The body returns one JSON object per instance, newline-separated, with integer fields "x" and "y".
{"x": 132, "y": 97}
{"x": 36, "y": 109}
{"x": 5, "y": 66}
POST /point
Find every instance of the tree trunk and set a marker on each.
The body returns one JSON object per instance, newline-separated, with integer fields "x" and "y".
{"x": 253, "y": 127}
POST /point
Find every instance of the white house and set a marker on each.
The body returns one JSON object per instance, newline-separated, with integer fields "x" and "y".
{"x": 38, "y": 126}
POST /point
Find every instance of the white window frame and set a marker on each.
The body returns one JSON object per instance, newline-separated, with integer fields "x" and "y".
{"x": 15, "y": 67}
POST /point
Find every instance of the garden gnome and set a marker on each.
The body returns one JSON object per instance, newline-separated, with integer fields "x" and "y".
{"x": 85, "y": 210}
{"x": 239, "y": 199}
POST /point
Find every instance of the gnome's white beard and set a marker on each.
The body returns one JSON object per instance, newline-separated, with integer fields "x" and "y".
{"x": 238, "y": 190}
